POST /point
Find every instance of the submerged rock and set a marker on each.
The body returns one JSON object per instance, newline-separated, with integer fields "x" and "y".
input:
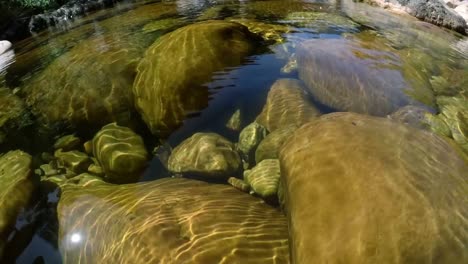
{"x": 353, "y": 75}
{"x": 67, "y": 91}
{"x": 249, "y": 138}
{"x": 270, "y": 146}
{"x": 287, "y": 104}
{"x": 235, "y": 122}
{"x": 269, "y": 32}
{"x": 178, "y": 221}
{"x": 16, "y": 190}
{"x": 454, "y": 113}
{"x": 239, "y": 184}
{"x": 321, "y": 22}
{"x": 264, "y": 178}
{"x": 411, "y": 115}
{"x": 121, "y": 152}
{"x": 162, "y": 24}
{"x": 342, "y": 176}
{"x": 76, "y": 161}
{"x": 166, "y": 89}
{"x": 205, "y": 154}
{"x": 13, "y": 114}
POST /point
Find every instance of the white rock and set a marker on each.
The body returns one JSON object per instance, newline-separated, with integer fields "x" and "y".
{"x": 4, "y": 46}
{"x": 462, "y": 10}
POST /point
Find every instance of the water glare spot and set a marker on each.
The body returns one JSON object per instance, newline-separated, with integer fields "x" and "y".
{"x": 75, "y": 238}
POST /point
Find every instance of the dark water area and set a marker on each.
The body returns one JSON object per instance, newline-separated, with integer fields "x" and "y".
{"x": 127, "y": 64}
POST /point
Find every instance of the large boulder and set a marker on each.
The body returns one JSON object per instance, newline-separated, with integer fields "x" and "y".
{"x": 363, "y": 189}
{"x": 178, "y": 221}
{"x": 167, "y": 89}
{"x": 121, "y": 153}
{"x": 287, "y": 104}
{"x": 16, "y": 190}
{"x": 435, "y": 12}
{"x": 205, "y": 154}
{"x": 353, "y": 75}
{"x": 68, "y": 92}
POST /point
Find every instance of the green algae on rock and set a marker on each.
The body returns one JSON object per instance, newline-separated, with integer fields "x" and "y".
{"x": 16, "y": 190}
{"x": 166, "y": 89}
{"x": 205, "y": 154}
{"x": 264, "y": 178}
{"x": 364, "y": 189}
{"x": 269, "y": 32}
{"x": 287, "y": 104}
{"x": 249, "y": 138}
{"x": 179, "y": 221}
{"x": 270, "y": 146}
{"x": 162, "y": 24}
{"x": 121, "y": 153}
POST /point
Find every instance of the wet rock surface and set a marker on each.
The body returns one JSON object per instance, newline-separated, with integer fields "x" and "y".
{"x": 166, "y": 90}
{"x": 270, "y": 146}
{"x": 179, "y": 221}
{"x": 121, "y": 153}
{"x": 341, "y": 176}
{"x": 287, "y": 104}
{"x": 264, "y": 178}
{"x": 16, "y": 190}
{"x": 249, "y": 138}
{"x": 205, "y": 154}
{"x": 348, "y": 75}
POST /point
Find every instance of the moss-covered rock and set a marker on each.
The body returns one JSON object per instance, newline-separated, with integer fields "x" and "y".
{"x": 205, "y": 154}
{"x": 454, "y": 113}
{"x": 239, "y": 184}
{"x": 342, "y": 176}
{"x": 269, "y": 32}
{"x": 287, "y": 104}
{"x": 166, "y": 89}
{"x": 16, "y": 190}
{"x": 264, "y": 179}
{"x": 162, "y": 24}
{"x": 270, "y": 146}
{"x": 178, "y": 221}
{"x": 121, "y": 153}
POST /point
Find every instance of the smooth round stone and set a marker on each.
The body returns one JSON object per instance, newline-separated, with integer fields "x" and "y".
{"x": 249, "y": 138}
{"x": 287, "y": 104}
{"x": 364, "y": 189}
{"x": 67, "y": 143}
{"x": 120, "y": 152}
{"x": 205, "y": 154}
{"x": 16, "y": 190}
{"x": 264, "y": 178}
{"x": 172, "y": 220}
{"x": 269, "y": 147}
{"x": 166, "y": 90}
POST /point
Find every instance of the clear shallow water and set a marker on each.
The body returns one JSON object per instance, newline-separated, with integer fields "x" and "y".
{"x": 103, "y": 49}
